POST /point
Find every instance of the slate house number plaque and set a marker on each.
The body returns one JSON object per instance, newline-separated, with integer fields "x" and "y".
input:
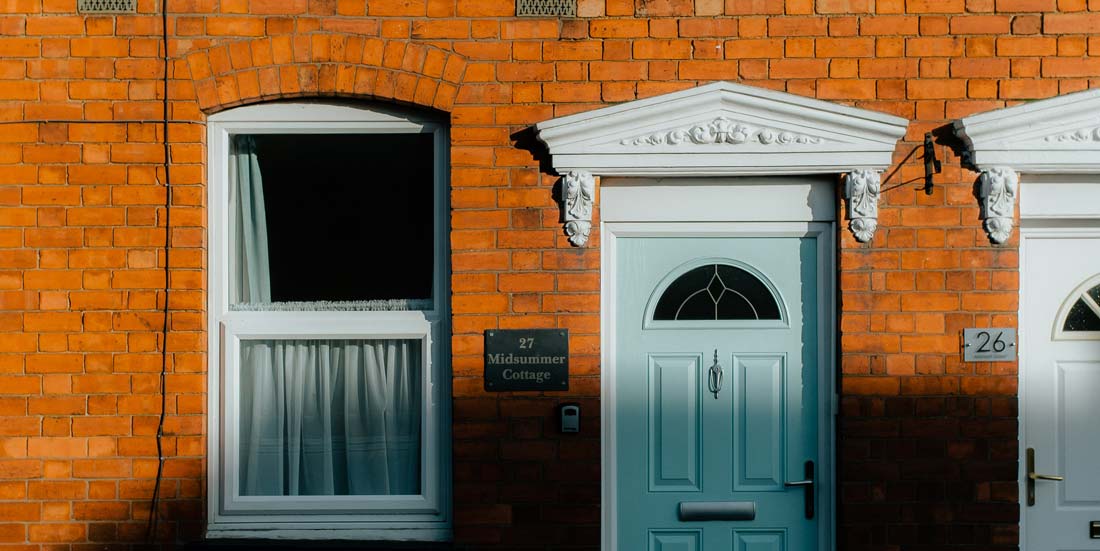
{"x": 526, "y": 359}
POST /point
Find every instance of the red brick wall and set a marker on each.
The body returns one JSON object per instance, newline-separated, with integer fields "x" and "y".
{"x": 927, "y": 444}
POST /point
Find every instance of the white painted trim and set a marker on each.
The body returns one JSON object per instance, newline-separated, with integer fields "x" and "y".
{"x": 1057, "y": 135}
{"x": 428, "y": 517}
{"x": 1060, "y": 135}
{"x": 321, "y": 111}
{"x": 1060, "y": 196}
{"x": 722, "y": 129}
{"x": 825, "y": 233}
{"x": 745, "y": 199}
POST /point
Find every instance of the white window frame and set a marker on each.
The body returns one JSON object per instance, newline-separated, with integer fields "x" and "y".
{"x": 424, "y": 517}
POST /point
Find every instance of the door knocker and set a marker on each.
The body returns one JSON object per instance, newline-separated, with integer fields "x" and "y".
{"x": 715, "y": 378}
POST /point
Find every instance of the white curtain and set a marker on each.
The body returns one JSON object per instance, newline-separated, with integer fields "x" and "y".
{"x": 317, "y": 417}
{"x": 330, "y": 417}
{"x": 251, "y": 274}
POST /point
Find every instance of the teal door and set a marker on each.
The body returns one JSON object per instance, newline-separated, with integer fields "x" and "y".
{"x": 716, "y": 407}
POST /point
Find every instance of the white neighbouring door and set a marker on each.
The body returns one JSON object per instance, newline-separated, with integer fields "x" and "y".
{"x": 1060, "y": 376}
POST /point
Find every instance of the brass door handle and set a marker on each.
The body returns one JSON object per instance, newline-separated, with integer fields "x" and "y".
{"x": 1035, "y": 476}
{"x": 1032, "y": 476}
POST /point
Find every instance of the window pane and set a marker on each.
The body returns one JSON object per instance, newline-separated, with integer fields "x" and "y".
{"x": 1081, "y": 318}
{"x": 330, "y": 417}
{"x": 686, "y": 287}
{"x": 753, "y": 291}
{"x": 348, "y": 217}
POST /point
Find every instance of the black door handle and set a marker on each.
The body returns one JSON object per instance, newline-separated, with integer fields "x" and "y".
{"x": 807, "y": 485}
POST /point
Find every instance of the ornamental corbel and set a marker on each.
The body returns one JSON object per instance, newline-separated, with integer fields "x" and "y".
{"x": 861, "y": 191}
{"x": 997, "y": 192}
{"x": 578, "y": 191}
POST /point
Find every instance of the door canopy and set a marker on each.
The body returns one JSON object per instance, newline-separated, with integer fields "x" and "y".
{"x": 1057, "y": 135}
{"x": 1060, "y": 135}
{"x": 724, "y": 129}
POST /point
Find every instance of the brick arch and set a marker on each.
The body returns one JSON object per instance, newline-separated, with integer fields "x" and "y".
{"x": 324, "y": 64}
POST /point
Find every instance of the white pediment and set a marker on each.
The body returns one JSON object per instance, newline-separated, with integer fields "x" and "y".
{"x": 722, "y": 129}
{"x": 1057, "y": 135}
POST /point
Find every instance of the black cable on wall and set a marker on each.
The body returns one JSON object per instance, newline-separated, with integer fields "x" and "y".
{"x": 154, "y": 506}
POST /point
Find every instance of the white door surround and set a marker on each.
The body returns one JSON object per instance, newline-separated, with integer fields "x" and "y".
{"x": 720, "y": 159}
{"x": 1057, "y": 136}
{"x": 719, "y": 130}
{"x": 1047, "y": 153}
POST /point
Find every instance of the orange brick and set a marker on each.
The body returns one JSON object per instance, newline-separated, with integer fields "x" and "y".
{"x": 1026, "y": 5}
{"x": 1072, "y": 23}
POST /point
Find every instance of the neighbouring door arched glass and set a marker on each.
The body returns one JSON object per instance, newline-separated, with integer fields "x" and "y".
{"x": 1082, "y": 318}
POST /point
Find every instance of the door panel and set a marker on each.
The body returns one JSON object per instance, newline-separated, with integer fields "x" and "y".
{"x": 679, "y": 442}
{"x": 1078, "y": 413}
{"x": 674, "y": 423}
{"x": 1060, "y": 373}
{"x": 758, "y": 422}
{"x": 667, "y": 540}
{"x": 759, "y": 540}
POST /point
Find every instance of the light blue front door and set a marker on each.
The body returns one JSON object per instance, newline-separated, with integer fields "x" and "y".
{"x": 716, "y": 393}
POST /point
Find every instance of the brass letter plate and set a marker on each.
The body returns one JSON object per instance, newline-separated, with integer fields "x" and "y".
{"x": 1094, "y": 529}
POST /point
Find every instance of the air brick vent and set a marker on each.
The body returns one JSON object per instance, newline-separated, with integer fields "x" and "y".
{"x": 546, "y": 8}
{"x": 106, "y": 6}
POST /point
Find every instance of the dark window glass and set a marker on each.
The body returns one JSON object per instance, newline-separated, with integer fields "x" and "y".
{"x": 1095, "y": 293}
{"x": 717, "y": 292}
{"x": 349, "y": 216}
{"x": 1081, "y": 318}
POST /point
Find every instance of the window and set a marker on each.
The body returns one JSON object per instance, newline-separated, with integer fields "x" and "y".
{"x": 1080, "y": 315}
{"x": 715, "y": 291}
{"x": 328, "y": 302}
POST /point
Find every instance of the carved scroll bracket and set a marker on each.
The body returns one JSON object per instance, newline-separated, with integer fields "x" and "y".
{"x": 997, "y": 192}
{"x": 578, "y": 191}
{"x": 861, "y": 191}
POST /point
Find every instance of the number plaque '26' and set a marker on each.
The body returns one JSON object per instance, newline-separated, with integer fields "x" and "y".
{"x": 991, "y": 344}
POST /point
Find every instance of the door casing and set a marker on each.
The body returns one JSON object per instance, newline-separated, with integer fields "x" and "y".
{"x": 636, "y": 218}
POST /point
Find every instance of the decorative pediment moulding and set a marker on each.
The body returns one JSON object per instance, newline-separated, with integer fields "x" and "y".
{"x": 722, "y": 129}
{"x": 1059, "y": 135}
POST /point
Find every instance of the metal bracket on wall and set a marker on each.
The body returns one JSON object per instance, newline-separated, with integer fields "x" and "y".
{"x": 932, "y": 165}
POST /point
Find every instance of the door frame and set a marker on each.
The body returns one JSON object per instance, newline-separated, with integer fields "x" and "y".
{"x": 1033, "y": 229}
{"x": 825, "y": 233}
